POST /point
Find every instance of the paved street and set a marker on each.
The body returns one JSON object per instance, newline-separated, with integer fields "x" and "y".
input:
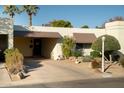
{"x": 92, "y": 83}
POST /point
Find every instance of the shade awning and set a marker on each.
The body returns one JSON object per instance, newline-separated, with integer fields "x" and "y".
{"x": 37, "y": 34}
{"x": 84, "y": 37}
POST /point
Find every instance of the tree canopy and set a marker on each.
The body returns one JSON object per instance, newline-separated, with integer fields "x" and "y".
{"x": 85, "y": 26}
{"x": 59, "y": 23}
{"x": 30, "y": 10}
{"x": 11, "y": 10}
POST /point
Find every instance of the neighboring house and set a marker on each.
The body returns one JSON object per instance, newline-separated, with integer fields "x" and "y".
{"x": 6, "y": 35}
{"x": 46, "y": 41}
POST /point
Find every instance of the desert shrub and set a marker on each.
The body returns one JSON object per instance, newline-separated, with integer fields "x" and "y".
{"x": 95, "y": 54}
{"x": 76, "y": 53}
{"x": 98, "y": 59}
{"x": 14, "y": 60}
{"x": 95, "y": 64}
{"x": 68, "y": 45}
{"x": 121, "y": 61}
{"x": 87, "y": 59}
{"x": 116, "y": 55}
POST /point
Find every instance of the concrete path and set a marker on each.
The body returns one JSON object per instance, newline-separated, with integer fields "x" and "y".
{"x": 4, "y": 77}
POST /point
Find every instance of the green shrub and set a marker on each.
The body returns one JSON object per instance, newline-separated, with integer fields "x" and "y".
{"x": 76, "y": 53}
{"x": 87, "y": 59}
{"x": 68, "y": 45}
{"x": 14, "y": 60}
{"x": 95, "y": 54}
{"x": 111, "y": 43}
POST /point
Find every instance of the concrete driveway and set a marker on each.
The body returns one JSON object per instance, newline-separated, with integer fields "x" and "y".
{"x": 53, "y": 71}
{"x": 4, "y": 76}
{"x": 46, "y": 71}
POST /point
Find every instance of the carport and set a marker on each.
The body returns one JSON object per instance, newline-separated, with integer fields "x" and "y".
{"x": 3, "y": 45}
{"x": 36, "y": 44}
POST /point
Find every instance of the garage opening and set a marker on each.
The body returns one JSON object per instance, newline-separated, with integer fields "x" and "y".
{"x": 3, "y": 45}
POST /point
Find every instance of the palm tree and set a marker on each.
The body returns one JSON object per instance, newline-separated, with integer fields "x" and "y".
{"x": 11, "y": 10}
{"x": 30, "y": 10}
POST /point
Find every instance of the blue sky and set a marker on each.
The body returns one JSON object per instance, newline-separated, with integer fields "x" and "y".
{"x": 78, "y": 15}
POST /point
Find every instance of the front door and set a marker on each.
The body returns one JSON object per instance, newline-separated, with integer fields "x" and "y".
{"x": 37, "y": 47}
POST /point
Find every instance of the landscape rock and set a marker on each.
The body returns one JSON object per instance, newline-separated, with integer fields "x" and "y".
{"x": 15, "y": 77}
{"x": 19, "y": 76}
{"x": 72, "y": 59}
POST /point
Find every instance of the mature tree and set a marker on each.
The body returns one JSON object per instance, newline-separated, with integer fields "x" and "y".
{"x": 111, "y": 45}
{"x": 68, "y": 45}
{"x": 60, "y": 23}
{"x": 11, "y": 10}
{"x": 85, "y": 26}
{"x": 30, "y": 10}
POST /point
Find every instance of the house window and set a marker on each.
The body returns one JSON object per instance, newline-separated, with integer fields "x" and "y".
{"x": 83, "y": 45}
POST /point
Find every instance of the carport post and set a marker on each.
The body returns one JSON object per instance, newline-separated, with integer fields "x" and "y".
{"x": 103, "y": 65}
{"x": 11, "y": 34}
{"x": 10, "y": 40}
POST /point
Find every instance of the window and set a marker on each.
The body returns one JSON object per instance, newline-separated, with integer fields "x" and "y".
{"x": 83, "y": 45}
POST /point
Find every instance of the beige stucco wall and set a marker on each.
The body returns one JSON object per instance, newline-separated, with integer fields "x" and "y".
{"x": 121, "y": 40}
{"x": 48, "y": 45}
{"x": 23, "y": 44}
{"x": 57, "y": 51}
{"x": 115, "y": 29}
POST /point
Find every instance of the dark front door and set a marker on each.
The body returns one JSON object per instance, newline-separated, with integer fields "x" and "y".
{"x": 37, "y": 47}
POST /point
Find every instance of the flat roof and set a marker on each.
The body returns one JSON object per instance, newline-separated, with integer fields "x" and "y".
{"x": 37, "y": 34}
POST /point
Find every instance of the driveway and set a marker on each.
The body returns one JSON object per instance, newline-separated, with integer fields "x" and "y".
{"x": 49, "y": 70}
{"x": 4, "y": 76}
{"x": 46, "y": 71}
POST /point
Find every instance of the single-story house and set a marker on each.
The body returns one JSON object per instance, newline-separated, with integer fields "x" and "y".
{"x": 39, "y": 41}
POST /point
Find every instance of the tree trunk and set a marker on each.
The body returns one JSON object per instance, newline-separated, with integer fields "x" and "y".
{"x": 30, "y": 20}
